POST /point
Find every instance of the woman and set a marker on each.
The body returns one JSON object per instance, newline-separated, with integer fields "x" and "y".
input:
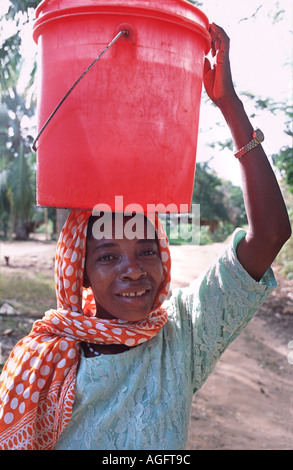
{"x": 116, "y": 365}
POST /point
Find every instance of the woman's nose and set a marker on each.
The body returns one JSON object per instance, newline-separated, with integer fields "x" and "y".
{"x": 132, "y": 270}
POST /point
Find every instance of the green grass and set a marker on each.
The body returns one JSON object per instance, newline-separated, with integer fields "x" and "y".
{"x": 32, "y": 296}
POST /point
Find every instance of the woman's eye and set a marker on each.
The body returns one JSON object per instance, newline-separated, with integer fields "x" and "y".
{"x": 106, "y": 258}
{"x": 149, "y": 252}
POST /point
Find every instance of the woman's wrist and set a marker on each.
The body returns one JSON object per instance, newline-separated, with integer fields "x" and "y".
{"x": 231, "y": 106}
{"x": 237, "y": 120}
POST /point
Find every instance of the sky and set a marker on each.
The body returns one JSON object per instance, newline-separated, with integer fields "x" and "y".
{"x": 261, "y": 62}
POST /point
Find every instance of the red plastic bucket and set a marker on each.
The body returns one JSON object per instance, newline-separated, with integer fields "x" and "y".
{"x": 130, "y": 126}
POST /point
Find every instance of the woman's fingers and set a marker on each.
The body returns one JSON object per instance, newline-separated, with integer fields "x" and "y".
{"x": 219, "y": 38}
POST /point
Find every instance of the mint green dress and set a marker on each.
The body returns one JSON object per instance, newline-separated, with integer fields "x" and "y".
{"x": 141, "y": 399}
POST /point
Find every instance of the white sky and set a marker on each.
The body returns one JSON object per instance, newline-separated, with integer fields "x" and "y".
{"x": 259, "y": 52}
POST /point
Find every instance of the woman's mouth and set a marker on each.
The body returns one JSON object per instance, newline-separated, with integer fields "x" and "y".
{"x": 133, "y": 294}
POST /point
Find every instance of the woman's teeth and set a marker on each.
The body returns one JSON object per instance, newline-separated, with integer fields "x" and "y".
{"x": 134, "y": 294}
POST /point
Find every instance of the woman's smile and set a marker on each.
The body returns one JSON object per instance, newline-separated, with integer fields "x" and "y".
{"x": 133, "y": 294}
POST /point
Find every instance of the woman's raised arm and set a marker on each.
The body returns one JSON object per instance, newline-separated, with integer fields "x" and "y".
{"x": 269, "y": 226}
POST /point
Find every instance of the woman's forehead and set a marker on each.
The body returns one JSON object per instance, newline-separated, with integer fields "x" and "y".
{"x": 118, "y": 226}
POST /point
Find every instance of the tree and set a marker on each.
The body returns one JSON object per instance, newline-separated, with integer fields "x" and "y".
{"x": 221, "y": 204}
{"x": 234, "y": 204}
{"x": 16, "y": 164}
{"x": 16, "y": 177}
{"x": 5, "y": 190}
{"x": 284, "y": 159}
{"x": 20, "y": 9}
{"x": 10, "y": 60}
{"x": 19, "y": 12}
{"x": 16, "y": 184}
{"x": 207, "y": 193}
{"x": 195, "y": 2}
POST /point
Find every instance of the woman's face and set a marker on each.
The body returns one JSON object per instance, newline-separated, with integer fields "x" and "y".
{"x": 125, "y": 275}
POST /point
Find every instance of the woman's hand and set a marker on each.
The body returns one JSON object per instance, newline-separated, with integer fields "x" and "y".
{"x": 218, "y": 79}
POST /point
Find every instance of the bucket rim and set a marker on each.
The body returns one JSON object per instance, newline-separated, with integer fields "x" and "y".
{"x": 131, "y": 11}
{"x": 185, "y": 5}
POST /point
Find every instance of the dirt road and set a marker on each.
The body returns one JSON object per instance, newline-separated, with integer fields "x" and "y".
{"x": 247, "y": 403}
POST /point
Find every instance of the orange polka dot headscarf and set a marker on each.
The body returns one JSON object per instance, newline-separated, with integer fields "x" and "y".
{"x": 38, "y": 380}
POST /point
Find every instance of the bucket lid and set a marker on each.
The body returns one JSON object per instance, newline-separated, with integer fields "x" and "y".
{"x": 180, "y": 8}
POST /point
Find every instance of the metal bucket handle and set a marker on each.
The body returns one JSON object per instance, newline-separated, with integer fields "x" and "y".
{"x": 124, "y": 32}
